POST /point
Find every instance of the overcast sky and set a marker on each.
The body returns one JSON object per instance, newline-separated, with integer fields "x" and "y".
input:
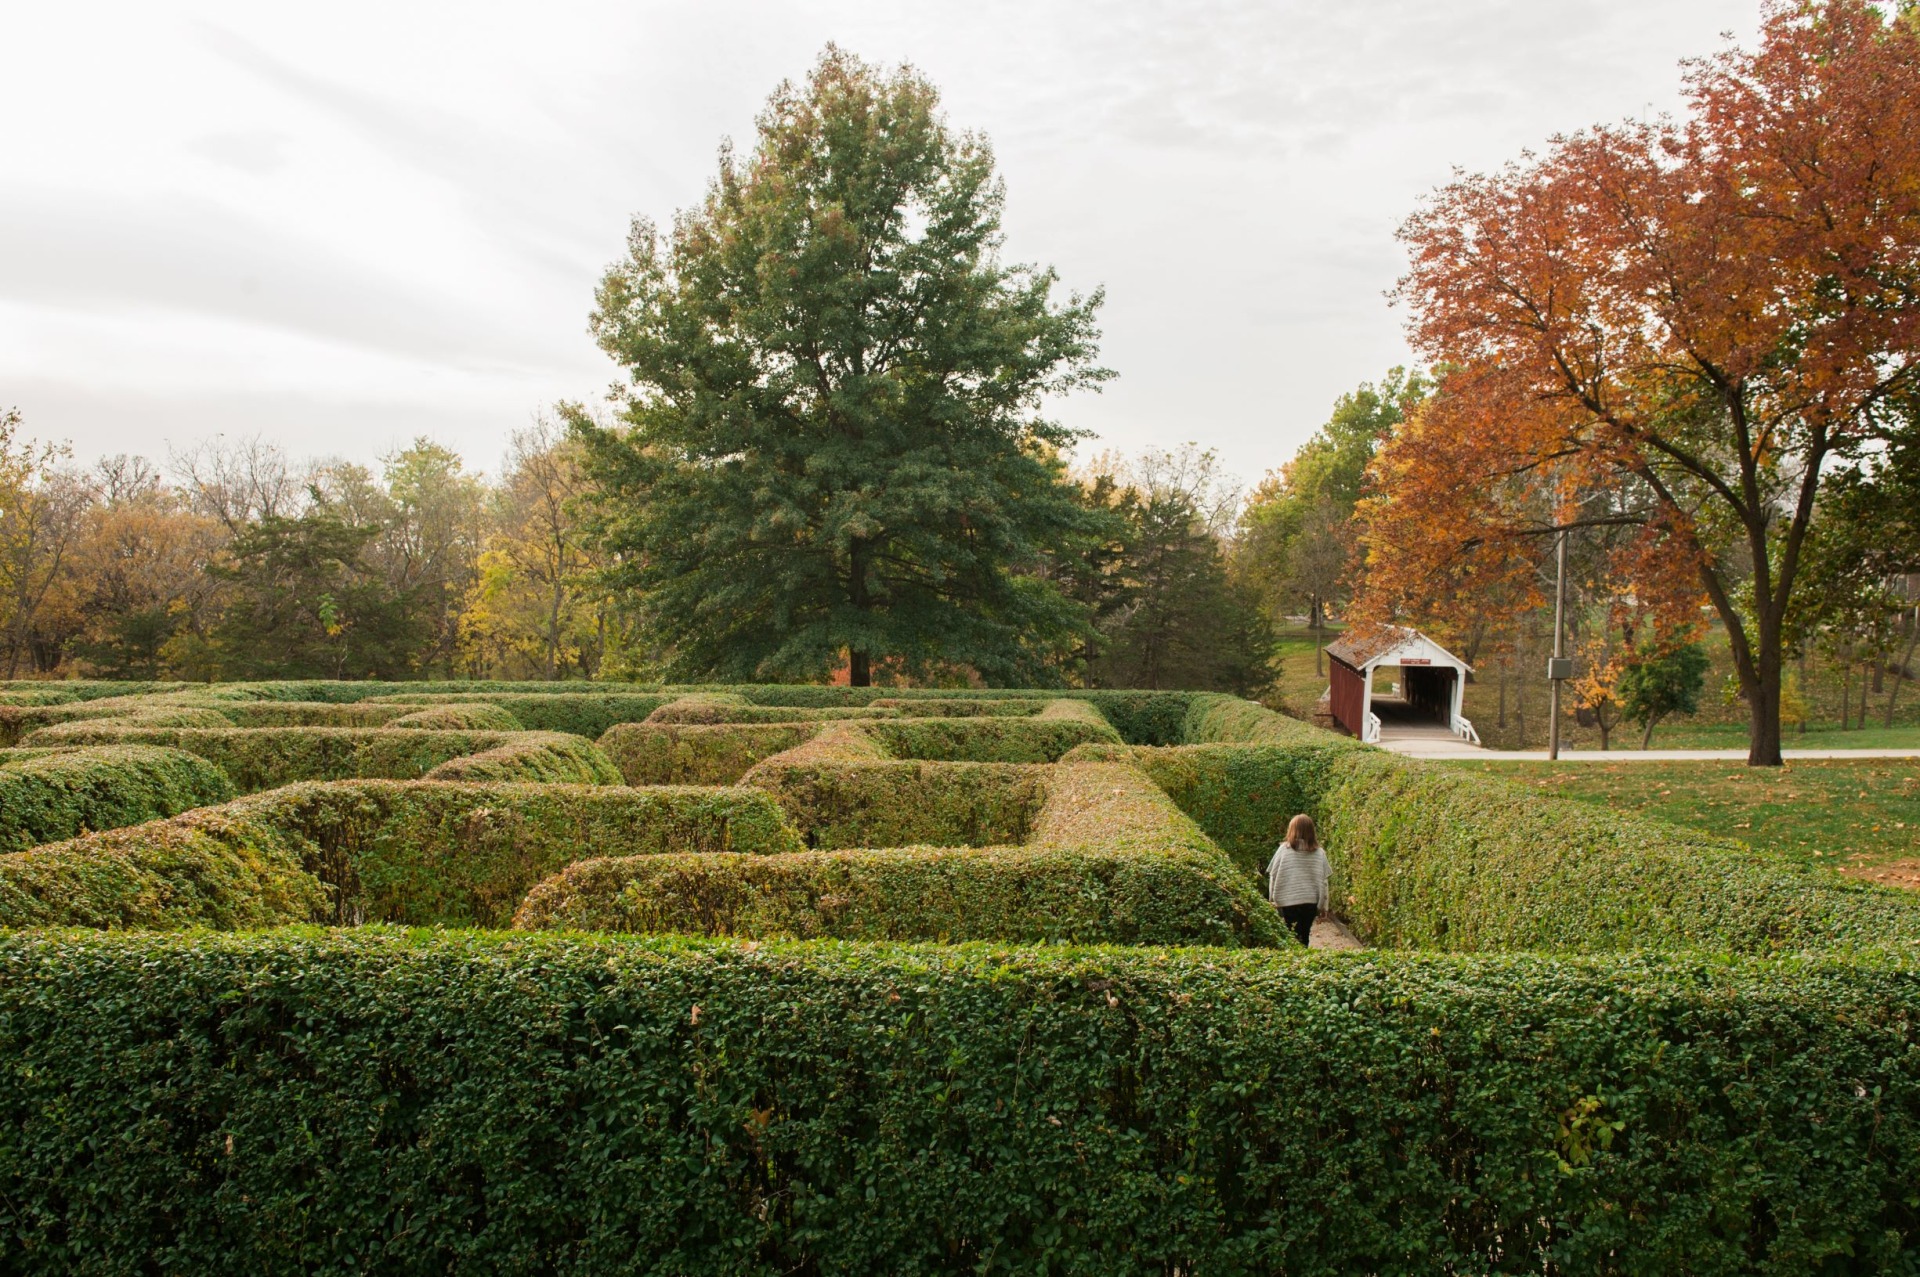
{"x": 341, "y": 226}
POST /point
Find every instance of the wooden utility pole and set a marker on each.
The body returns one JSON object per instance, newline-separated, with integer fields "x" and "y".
{"x": 1559, "y": 668}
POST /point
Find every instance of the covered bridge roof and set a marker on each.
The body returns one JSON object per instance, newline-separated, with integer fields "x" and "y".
{"x": 1362, "y": 649}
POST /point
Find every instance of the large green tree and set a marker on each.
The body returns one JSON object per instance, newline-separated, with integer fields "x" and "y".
{"x": 832, "y": 445}
{"x": 1295, "y": 546}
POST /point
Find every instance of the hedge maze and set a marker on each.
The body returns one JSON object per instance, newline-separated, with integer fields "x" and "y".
{"x": 502, "y": 977}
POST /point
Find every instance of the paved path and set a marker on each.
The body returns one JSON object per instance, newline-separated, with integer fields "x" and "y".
{"x": 1452, "y": 747}
{"x": 1331, "y": 933}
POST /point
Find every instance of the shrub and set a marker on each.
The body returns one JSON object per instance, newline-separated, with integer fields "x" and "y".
{"x": 697, "y": 754}
{"x": 1429, "y": 858}
{"x": 275, "y": 1103}
{"x": 206, "y": 868}
{"x": 933, "y": 707}
{"x": 1109, "y": 859}
{"x": 428, "y": 852}
{"x": 705, "y": 709}
{"x": 57, "y": 795}
{"x": 1244, "y": 795}
{"x": 587, "y": 714}
{"x": 555, "y": 758}
{"x": 1040, "y": 739}
{"x": 480, "y": 716}
{"x": 1215, "y": 718}
{"x": 906, "y": 803}
{"x": 257, "y": 758}
{"x": 312, "y": 714}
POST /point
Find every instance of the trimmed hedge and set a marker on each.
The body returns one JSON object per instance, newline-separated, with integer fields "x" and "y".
{"x": 312, "y": 714}
{"x": 554, "y": 758}
{"x": 906, "y": 803}
{"x": 394, "y": 1102}
{"x": 207, "y": 868}
{"x": 587, "y": 714}
{"x": 427, "y": 852}
{"x": 702, "y": 709}
{"x": 1215, "y": 718}
{"x": 1426, "y": 857}
{"x": 697, "y": 754}
{"x": 481, "y": 716}
{"x": 1040, "y": 739}
{"x": 930, "y": 707}
{"x": 1244, "y": 795}
{"x": 258, "y": 758}
{"x": 1110, "y": 859}
{"x": 61, "y": 794}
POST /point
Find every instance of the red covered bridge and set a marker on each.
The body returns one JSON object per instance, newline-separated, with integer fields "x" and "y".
{"x": 1425, "y": 698}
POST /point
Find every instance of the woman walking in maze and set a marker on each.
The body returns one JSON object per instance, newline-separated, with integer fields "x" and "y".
{"x": 1297, "y": 877}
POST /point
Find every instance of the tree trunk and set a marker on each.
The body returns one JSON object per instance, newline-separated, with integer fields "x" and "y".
{"x": 1846, "y": 694}
{"x": 1503, "y": 696}
{"x": 1865, "y": 686}
{"x": 1600, "y": 721}
{"x": 859, "y": 672}
{"x": 1646, "y": 737}
{"x": 1906, "y": 663}
{"x": 1763, "y": 703}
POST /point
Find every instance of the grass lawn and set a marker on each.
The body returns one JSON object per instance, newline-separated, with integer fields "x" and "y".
{"x": 1861, "y": 816}
{"x": 1682, "y": 734}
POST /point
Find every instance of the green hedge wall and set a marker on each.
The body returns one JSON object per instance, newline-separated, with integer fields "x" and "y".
{"x": 554, "y": 758}
{"x": 930, "y": 707}
{"x": 1425, "y": 857}
{"x": 1109, "y": 858}
{"x": 1215, "y": 718}
{"x": 1244, "y": 795}
{"x": 312, "y": 714}
{"x": 480, "y": 716}
{"x": 693, "y": 710}
{"x": 697, "y": 754}
{"x": 587, "y": 714}
{"x": 986, "y": 740}
{"x": 906, "y": 803}
{"x": 395, "y": 1102}
{"x": 427, "y": 852}
{"x": 58, "y": 795}
{"x": 207, "y": 868}
{"x": 258, "y": 758}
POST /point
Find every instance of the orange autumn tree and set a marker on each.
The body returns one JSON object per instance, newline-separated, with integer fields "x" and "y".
{"x": 1465, "y": 503}
{"x": 1714, "y": 308}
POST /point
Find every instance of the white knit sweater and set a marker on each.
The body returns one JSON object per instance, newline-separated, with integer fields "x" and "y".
{"x": 1298, "y": 877}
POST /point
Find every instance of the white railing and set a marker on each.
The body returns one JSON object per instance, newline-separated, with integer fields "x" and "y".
{"x": 1463, "y": 728}
{"x": 1370, "y": 730}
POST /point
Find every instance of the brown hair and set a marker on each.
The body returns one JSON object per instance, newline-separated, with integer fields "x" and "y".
{"x": 1301, "y": 835}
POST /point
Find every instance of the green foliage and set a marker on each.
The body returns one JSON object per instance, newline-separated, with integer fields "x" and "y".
{"x": 304, "y": 604}
{"x": 713, "y": 708}
{"x": 551, "y": 758}
{"x": 1431, "y": 858}
{"x": 971, "y": 707}
{"x": 888, "y": 481}
{"x": 206, "y": 868}
{"x": 1178, "y": 620}
{"x": 257, "y": 758}
{"x": 56, "y": 795}
{"x": 311, "y": 714}
{"x": 1040, "y": 739}
{"x": 697, "y": 754}
{"x": 479, "y": 716}
{"x": 1244, "y": 795}
{"x": 1108, "y": 858}
{"x": 587, "y": 714}
{"x": 427, "y": 852}
{"x": 563, "y": 1103}
{"x": 1227, "y": 719}
{"x": 900, "y": 804}
{"x": 1662, "y": 683}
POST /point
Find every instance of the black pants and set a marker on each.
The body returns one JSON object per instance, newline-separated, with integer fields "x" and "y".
{"x": 1300, "y": 918}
